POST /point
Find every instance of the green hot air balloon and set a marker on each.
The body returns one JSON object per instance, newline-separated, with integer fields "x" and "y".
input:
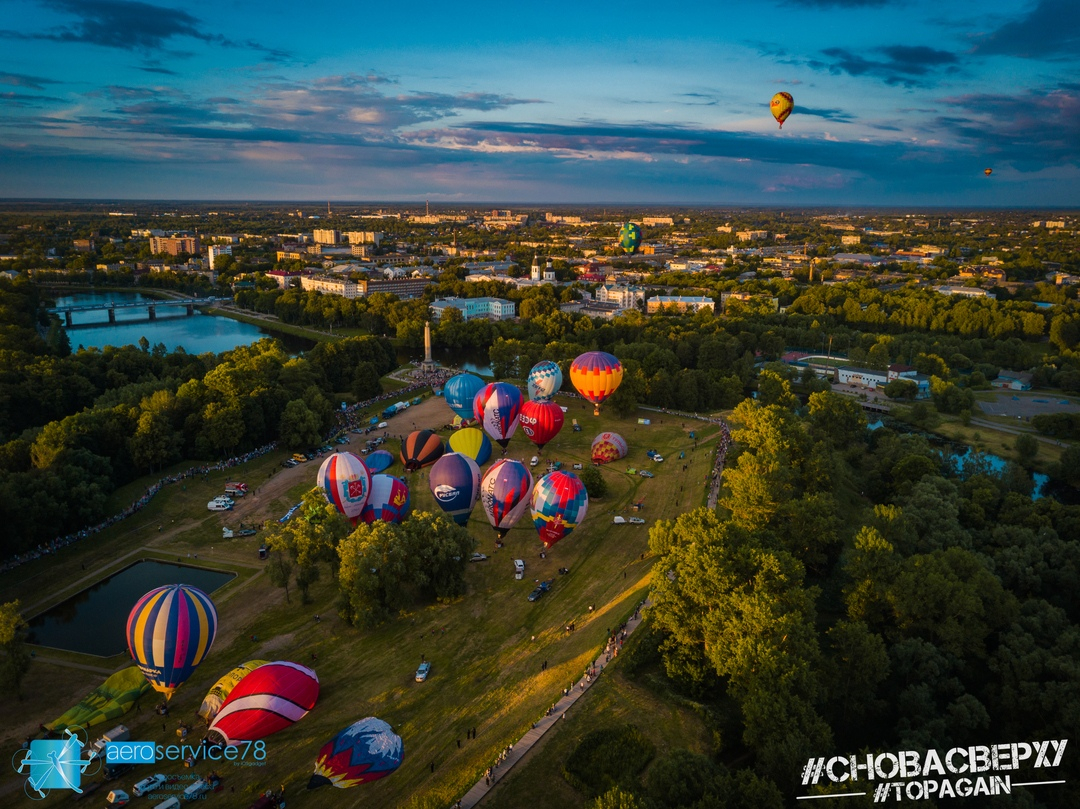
{"x": 629, "y": 237}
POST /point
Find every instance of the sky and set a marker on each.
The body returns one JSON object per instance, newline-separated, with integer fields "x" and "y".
{"x": 897, "y": 102}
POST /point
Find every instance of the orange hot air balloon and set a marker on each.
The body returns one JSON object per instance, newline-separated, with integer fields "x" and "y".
{"x": 988, "y": 172}
{"x": 781, "y": 106}
{"x": 596, "y": 375}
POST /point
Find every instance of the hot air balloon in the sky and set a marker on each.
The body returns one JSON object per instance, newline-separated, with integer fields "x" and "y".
{"x": 471, "y": 442}
{"x": 504, "y": 493}
{"x": 379, "y": 461}
{"x": 420, "y": 448}
{"x": 345, "y": 480}
{"x": 365, "y": 751}
{"x": 596, "y": 375}
{"x": 558, "y": 505}
{"x": 268, "y": 700}
{"x": 169, "y": 632}
{"x": 460, "y": 391}
{"x": 988, "y": 172}
{"x": 220, "y": 691}
{"x": 541, "y": 421}
{"x": 455, "y": 482}
{"x": 388, "y": 501}
{"x": 497, "y": 407}
{"x": 629, "y": 237}
{"x": 781, "y": 106}
{"x": 608, "y": 447}
{"x": 544, "y": 381}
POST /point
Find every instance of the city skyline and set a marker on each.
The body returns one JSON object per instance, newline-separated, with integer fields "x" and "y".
{"x": 896, "y": 103}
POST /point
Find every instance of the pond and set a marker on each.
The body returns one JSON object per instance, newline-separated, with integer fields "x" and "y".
{"x": 92, "y": 621}
{"x": 472, "y": 360}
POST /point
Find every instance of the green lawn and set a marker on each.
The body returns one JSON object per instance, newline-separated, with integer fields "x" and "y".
{"x": 487, "y": 647}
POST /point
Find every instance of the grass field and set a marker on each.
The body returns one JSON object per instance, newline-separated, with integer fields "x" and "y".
{"x": 486, "y": 647}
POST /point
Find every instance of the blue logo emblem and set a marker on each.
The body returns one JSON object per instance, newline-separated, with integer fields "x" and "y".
{"x": 53, "y": 764}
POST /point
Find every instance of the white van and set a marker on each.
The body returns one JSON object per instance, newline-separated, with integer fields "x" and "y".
{"x": 519, "y": 569}
{"x": 619, "y": 521}
{"x": 217, "y": 505}
{"x": 534, "y": 461}
{"x": 148, "y": 785}
{"x": 170, "y": 803}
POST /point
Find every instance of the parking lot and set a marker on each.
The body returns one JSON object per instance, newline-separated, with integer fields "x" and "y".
{"x": 1026, "y": 404}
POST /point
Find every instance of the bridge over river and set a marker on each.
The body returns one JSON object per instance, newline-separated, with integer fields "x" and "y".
{"x": 151, "y": 307}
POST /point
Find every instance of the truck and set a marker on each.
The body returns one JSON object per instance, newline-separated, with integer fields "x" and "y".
{"x": 236, "y": 489}
{"x": 120, "y": 733}
{"x": 390, "y": 411}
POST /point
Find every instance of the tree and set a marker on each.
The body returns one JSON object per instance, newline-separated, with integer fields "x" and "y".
{"x": 279, "y": 570}
{"x": 593, "y": 479}
{"x": 14, "y": 656}
{"x": 838, "y": 419}
{"x": 616, "y": 798}
{"x": 1027, "y": 447}
{"x": 299, "y": 427}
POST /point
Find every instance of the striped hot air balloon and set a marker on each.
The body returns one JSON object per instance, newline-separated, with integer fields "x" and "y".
{"x": 420, "y": 448}
{"x": 345, "y": 480}
{"x": 596, "y": 375}
{"x": 504, "y": 493}
{"x": 388, "y": 501}
{"x": 558, "y": 505}
{"x": 541, "y": 421}
{"x": 455, "y": 483}
{"x": 268, "y": 700}
{"x": 379, "y": 461}
{"x": 497, "y": 407}
{"x": 211, "y": 703}
{"x": 544, "y": 381}
{"x": 365, "y": 751}
{"x": 608, "y": 447}
{"x": 169, "y": 632}
{"x": 471, "y": 442}
{"x": 460, "y": 391}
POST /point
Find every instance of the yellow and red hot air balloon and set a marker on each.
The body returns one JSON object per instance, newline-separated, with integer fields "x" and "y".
{"x": 988, "y": 172}
{"x": 781, "y": 106}
{"x": 596, "y": 375}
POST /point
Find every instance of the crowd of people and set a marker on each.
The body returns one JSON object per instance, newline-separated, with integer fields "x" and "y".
{"x": 718, "y": 463}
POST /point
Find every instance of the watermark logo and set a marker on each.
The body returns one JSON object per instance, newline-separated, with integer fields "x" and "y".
{"x": 52, "y": 764}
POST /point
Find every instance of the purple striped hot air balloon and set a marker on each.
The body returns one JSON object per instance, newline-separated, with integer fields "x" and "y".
{"x": 504, "y": 493}
{"x": 169, "y": 632}
{"x": 346, "y": 482}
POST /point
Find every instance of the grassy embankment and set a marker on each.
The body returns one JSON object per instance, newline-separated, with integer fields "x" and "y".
{"x": 487, "y": 647}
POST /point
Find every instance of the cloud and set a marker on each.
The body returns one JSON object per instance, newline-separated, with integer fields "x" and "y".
{"x": 838, "y": 3}
{"x": 158, "y": 69}
{"x": 1050, "y": 30}
{"x": 905, "y": 65}
{"x": 26, "y": 100}
{"x": 828, "y": 114}
{"x": 22, "y": 80}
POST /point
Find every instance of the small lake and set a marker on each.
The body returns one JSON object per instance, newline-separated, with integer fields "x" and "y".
{"x": 93, "y": 620}
{"x": 197, "y": 334}
{"x": 473, "y": 360}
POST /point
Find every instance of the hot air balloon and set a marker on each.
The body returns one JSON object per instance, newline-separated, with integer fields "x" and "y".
{"x": 988, "y": 172}
{"x": 781, "y": 106}
{"x": 558, "y": 505}
{"x": 544, "y": 381}
{"x": 541, "y": 421}
{"x": 504, "y": 493}
{"x": 497, "y": 407}
{"x": 211, "y": 703}
{"x": 471, "y": 442}
{"x": 596, "y": 375}
{"x": 608, "y": 447}
{"x": 420, "y": 448}
{"x": 455, "y": 482}
{"x": 379, "y": 461}
{"x": 365, "y": 751}
{"x": 268, "y": 700}
{"x": 629, "y": 237}
{"x": 460, "y": 391}
{"x": 346, "y": 481}
{"x": 169, "y": 631}
{"x": 388, "y": 501}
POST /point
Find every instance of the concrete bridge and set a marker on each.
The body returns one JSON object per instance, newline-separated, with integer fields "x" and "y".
{"x": 151, "y": 307}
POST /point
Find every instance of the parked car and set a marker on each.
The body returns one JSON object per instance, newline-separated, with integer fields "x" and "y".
{"x": 478, "y": 557}
{"x": 217, "y": 505}
{"x": 533, "y": 461}
{"x": 300, "y": 458}
{"x": 657, "y": 459}
{"x": 619, "y": 521}
{"x": 637, "y": 521}
{"x": 645, "y": 473}
{"x": 541, "y": 588}
{"x": 423, "y": 672}
{"x": 578, "y": 466}
{"x": 148, "y": 784}
{"x": 290, "y": 463}
{"x": 519, "y": 568}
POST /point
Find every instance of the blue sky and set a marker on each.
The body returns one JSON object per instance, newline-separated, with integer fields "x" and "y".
{"x": 897, "y": 102}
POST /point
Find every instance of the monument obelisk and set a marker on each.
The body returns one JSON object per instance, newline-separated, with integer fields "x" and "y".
{"x": 428, "y": 364}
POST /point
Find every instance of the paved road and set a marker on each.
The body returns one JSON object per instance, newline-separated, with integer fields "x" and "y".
{"x": 990, "y": 425}
{"x": 522, "y": 747}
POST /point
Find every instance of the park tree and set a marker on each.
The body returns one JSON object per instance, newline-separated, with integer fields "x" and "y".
{"x": 1027, "y": 447}
{"x": 299, "y": 427}
{"x": 14, "y": 656}
{"x": 836, "y": 419}
{"x": 593, "y": 480}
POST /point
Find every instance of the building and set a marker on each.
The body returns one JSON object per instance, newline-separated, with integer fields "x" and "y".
{"x": 284, "y": 278}
{"x": 472, "y": 308}
{"x": 175, "y": 245}
{"x": 83, "y": 245}
{"x": 404, "y": 288}
{"x": 326, "y": 237}
{"x": 505, "y": 219}
{"x": 966, "y": 292}
{"x": 752, "y": 235}
{"x": 658, "y": 220}
{"x": 217, "y": 251}
{"x": 329, "y": 286}
{"x": 362, "y": 250}
{"x": 862, "y": 377}
{"x": 625, "y": 297}
{"x": 556, "y": 219}
{"x": 682, "y": 303}
{"x": 851, "y": 239}
{"x": 364, "y": 237}
{"x": 1012, "y": 380}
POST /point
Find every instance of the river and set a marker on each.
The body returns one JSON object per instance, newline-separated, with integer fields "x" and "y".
{"x": 197, "y": 334}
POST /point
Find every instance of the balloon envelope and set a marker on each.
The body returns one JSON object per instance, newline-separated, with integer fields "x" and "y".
{"x": 365, "y": 751}
{"x": 608, "y": 447}
{"x": 497, "y": 407}
{"x": 544, "y": 380}
{"x": 558, "y": 505}
{"x": 379, "y": 461}
{"x": 504, "y": 493}
{"x": 460, "y": 391}
{"x": 388, "y": 501}
{"x": 541, "y": 421}
{"x": 346, "y": 482}
{"x": 220, "y": 691}
{"x": 420, "y": 448}
{"x": 169, "y": 631}
{"x": 781, "y": 106}
{"x": 472, "y": 442}
{"x": 596, "y": 375}
{"x": 629, "y": 237}
{"x": 268, "y": 700}
{"x": 455, "y": 482}
{"x": 988, "y": 172}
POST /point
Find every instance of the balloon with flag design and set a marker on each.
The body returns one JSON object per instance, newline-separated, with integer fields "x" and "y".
{"x": 596, "y": 375}
{"x": 558, "y": 505}
{"x": 365, "y": 751}
{"x": 504, "y": 493}
{"x": 544, "y": 380}
{"x": 345, "y": 481}
{"x": 460, "y": 391}
{"x": 541, "y": 421}
{"x": 472, "y": 442}
{"x": 497, "y": 407}
{"x": 169, "y": 632}
{"x": 388, "y": 501}
{"x": 267, "y": 700}
{"x": 455, "y": 482}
